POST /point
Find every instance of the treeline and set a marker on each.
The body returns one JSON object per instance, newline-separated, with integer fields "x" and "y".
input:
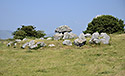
{"x": 102, "y": 23}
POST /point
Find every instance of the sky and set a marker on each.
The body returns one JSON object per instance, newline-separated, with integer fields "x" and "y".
{"x": 47, "y": 15}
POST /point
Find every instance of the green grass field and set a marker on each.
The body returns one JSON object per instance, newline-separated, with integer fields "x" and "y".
{"x": 88, "y": 60}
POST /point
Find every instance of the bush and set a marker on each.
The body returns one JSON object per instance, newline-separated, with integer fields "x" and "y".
{"x": 105, "y": 23}
{"x": 28, "y": 31}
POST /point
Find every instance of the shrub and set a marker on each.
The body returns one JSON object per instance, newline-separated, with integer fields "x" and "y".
{"x": 27, "y": 31}
{"x": 105, "y": 23}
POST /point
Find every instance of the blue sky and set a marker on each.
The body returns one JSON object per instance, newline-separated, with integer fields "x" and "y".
{"x": 47, "y": 15}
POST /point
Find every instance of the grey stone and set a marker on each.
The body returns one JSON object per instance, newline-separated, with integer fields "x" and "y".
{"x": 67, "y": 42}
{"x": 87, "y": 35}
{"x": 72, "y": 35}
{"x": 9, "y": 44}
{"x": 24, "y": 39}
{"x": 79, "y": 42}
{"x": 69, "y": 35}
{"x": 37, "y": 45}
{"x": 82, "y": 36}
{"x": 66, "y": 35}
{"x": 95, "y": 38}
{"x": 32, "y": 42}
{"x": 42, "y": 38}
{"x": 62, "y": 29}
{"x": 58, "y": 36}
{"x": 24, "y": 45}
{"x": 51, "y": 45}
{"x": 49, "y": 38}
{"x": 105, "y": 39}
{"x": 18, "y": 40}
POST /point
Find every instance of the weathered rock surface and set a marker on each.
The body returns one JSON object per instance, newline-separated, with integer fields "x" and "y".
{"x": 95, "y": 38}
{"x": 69, "y": 35}
{"x": 9, "y": 44}
{"x": 58, "y": 36}
{"x": 24, "y": 45}
{"x": 72, "y": 35}
{"x": 42, "y": 38}
{"x": 62, "y": 29}
{"x": 105, "y": 39}
{"x": 37, "y": 45}
{"x": 82, "y": 36}
{"x": 51, "y": 45}
{"x": 80, "y": 41}
{"x": 67, "y": 42}
{"x": 87, "y": 35}
{"x": 24, "y": 39}
{"x": 32, "y": 42}
{"x": 49, "y": 38}
{"x": 17, "y": 40}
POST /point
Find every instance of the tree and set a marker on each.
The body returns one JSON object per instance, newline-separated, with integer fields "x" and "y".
{"x": 27, "y": 31}
{"x": 105, "y": 23}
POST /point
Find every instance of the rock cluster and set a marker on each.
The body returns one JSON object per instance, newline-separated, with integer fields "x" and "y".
{"x": 96, "y": 38}
{"x": 64, "y": 32}
{"x": 32, "y": 44}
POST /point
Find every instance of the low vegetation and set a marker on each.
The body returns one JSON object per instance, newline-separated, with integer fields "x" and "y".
{"x": 28, "y": 31}
{"x": 105, "y": 23}
{"x": 61, "y": 60}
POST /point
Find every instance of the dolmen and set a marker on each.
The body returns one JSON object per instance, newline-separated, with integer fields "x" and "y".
{"x": 64, "y": 32}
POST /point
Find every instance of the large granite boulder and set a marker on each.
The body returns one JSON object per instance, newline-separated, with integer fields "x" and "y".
{"x": 87, "y": 35}
{"x": 24, "y": 45}
{"x": 82, "y": 36}
{"x": 95, "y": 38}
{"x": 37, "y": 45}
{"x": 63, "y": 29}
{"x": 58, "y": 36}
{"x": 72, "y": 35}
{"x": 67, "y": 42}
{"x": 32, "y": 42}
{"x": 69, "y": 35}
{"x": 105, "y": 39}
{"x": 80, "y": 41}
{"x": 66, "y": 35}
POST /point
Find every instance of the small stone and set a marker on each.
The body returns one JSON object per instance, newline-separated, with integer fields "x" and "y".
{"x": 24, "y": 39}
{"x": 17, "y": 40}
{"x": 67, "y": 42}
{"x": 49, "y": 38}
{"x": 42, "y": 38}
{"x": 51, "y": 45}
{"x": 87, "y": 35}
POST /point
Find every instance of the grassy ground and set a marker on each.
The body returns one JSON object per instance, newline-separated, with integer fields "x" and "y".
{"x": 89, "y": 60}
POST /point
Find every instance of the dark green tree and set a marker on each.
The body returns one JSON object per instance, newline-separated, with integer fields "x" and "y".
{"x": 105, "y": 23}
{"x": 27, "y": 31}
